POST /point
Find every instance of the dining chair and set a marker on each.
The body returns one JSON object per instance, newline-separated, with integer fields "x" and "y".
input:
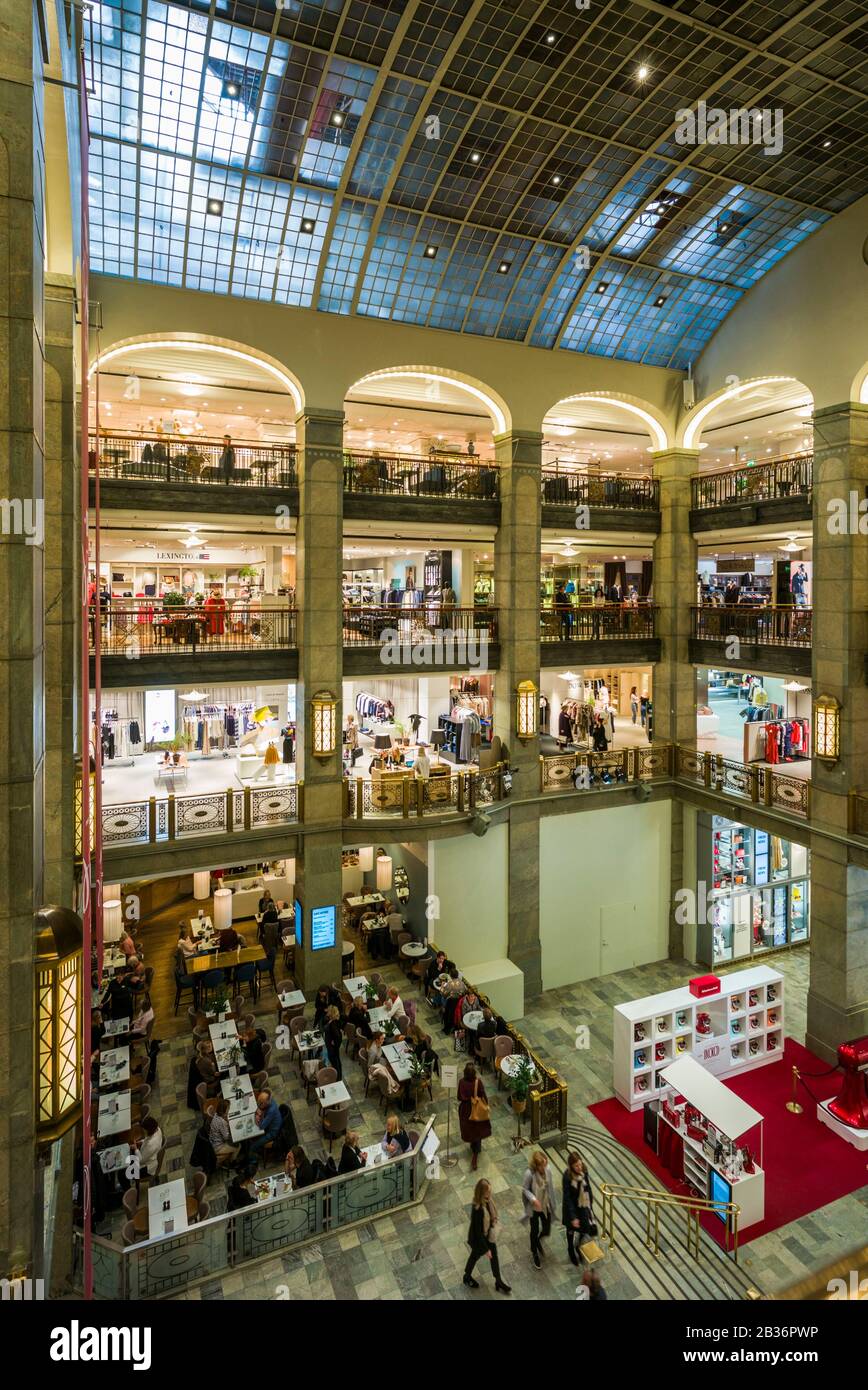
{"x": 503, "y": 1047}
{"x": 296, "y": 1022}
{"x": 208, "y": 980}
{"x": 265, "y": 967}
{"x": 266, "y": 1053}
{"x": 486, "y": 1050}
{"x": 405, "y": 962}
{"x": 246, "y": 975}
{"x": 389, "y": 1089}
{"x": 334, "y": 1121}
{"x": 201, "y": 1035}
{"x": 403, "y": 1023}
{"x": 202, "y": 1095}
{"x": 197, "y": 1018}
{"x": 350, "y": 1043}
{"x": 185, "y": 983}
{"x": 199, "y": 1182}
{"x": 203, "y": 1211}
{"x": 129, "y": 1234}
{"x": 130, "y": 1202}
{"x": 410, "y": 1009}
{"x": 325, "y": 1076}
{"x": 362, "y": 1060}
{"x": 259, "y": 1080}
{"x": 139, "y": 1095}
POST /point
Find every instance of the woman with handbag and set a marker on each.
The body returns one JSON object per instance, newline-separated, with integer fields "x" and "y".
{"x": 482, "y": 1236}
{"x": 577, "y": 1213}
{"x": 474, "y": 1113}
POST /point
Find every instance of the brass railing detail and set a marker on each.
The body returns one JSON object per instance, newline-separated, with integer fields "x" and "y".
{"x": 654, "y": 1199}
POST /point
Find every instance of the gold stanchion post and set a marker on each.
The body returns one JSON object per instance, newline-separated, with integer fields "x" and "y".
{"x": 793, "y": 1105}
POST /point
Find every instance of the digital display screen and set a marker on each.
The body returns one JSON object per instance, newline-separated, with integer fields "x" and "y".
{"x": 299, "y": 915}
{"x": 322, "y": 928}
{"x": 719, "y": 1191}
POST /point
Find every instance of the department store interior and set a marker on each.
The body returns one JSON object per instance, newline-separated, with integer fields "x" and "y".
{"x": 447, "y": 795}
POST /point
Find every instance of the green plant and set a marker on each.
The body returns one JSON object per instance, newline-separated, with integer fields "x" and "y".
{"x": 390, "y": 1028}
{"x": 173, "y": 599}
{"x": 520, "y": 1081}
{"x": 370, "y": 992}
{"x": 248, "y": 572}
{"x": 220, "y": 1003}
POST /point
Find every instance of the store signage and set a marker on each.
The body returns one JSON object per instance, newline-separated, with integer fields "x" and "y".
{"x": 182, "y": 555}
{"x": 712, "y": 1054}
{"x": 701, "y": 986}
{"x": 322, "y": 928}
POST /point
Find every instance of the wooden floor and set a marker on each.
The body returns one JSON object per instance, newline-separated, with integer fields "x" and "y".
{"x": 158, "y": 937}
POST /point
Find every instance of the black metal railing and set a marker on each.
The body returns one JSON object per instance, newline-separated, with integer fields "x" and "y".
{"x": 464, "y": 479}
{"x": 147, "y": 629}
{"x": 403, "y": 631}
{"x": 597, "y": 622}
{"x": 157, "y": 458}
{"x": 757, "y": 482}
{"x": 563, "y": 486}
{"x": 766, "y": 627}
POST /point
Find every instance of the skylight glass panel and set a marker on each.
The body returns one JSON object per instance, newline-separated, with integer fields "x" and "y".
{"x": 385, "y": 266}
{"x": 460, "y": 278}
{"x": 536, "y": 273}
{"x": 299, "y": 255}
{"x": 259, "y": 239}
{"x": 345, "y": 255}
{"x": 495, "y": 285}
{"x": 339, "y": 108}
{"x": 387, "y": 130}
{"x": 423, "y": 272}
{"x": 561, "y": 296}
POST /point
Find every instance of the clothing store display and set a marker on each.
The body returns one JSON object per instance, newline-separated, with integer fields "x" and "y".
{"x": 787, "y": 740}
{"x": 370, "y": 708}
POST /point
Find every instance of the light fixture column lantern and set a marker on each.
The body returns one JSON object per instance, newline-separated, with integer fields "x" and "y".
{"x": 323, "y": 708}
{"x": 58, "y": 964}
{"x": 827, "y": 729}
{"x": 526, "y": 710}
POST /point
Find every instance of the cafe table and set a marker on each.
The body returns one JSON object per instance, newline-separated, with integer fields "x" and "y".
{"x": 356, "y": 985}
{"x": 221, "y": 1031}
{"x": 115, "y": 1159}
{"x": 243, "y": 1106}
{"x": 116, "y": 1027}
{"x": 310, "y": 1041}
{"x": 366, "y": 900}
{"x": 334, "y": 1094}
{"x": 114, "y": 1067}
{"x": 154, "y": 1219}
{"x": 292, "y": 999}
{"x": 230, "y": 1085}
{"x": 414, "y": 949}
{"x": 244, "y": 1126}
{"x": 225, "y": 960}
{"x": 201, "y": 926}
{"x": 398, "y": 1056}
{"x": 378, "y": 1018}
{"x": 472, "y": 1019}
{"x": 114, "y": 1115}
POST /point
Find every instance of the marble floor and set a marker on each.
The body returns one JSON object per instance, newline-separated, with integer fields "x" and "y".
{"x": 419, "y": 1253}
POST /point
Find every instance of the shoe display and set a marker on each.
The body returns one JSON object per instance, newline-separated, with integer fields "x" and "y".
{"x": 681, "y": 1045}
{"x": 662, "y": 1025}
{"x": 771, "y": 1043}
{"x": 642, "y": 1083}
{"x": 736, "y": 1004}
{"x": 753, "y": 998}
{"x": 640, "y": 1059}
{"x": 771, "y": 994}
{"x": 773, "y": 1018}
{"x": 755, "y": 1021}
{"x": 735, "y": 1027}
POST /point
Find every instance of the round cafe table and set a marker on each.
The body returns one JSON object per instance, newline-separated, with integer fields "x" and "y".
{"x": 141, "y": 1222}
{"x": 472, "y": 1020}
{"x": 414, "y": 949}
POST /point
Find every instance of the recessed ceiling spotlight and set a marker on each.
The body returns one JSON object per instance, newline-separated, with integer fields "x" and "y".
{"x": 430, "y": 251}
{"x": 231, "y": 88}
{"x": 307, "y": 225}
{"x": 338, "y": 118}
{"x": 659, "y": 301}
{"x": 602, "y": 287}
{"x": 550, "y": 38}
{"x": 826, "y": 144}
{"x": 642, "y": 72}
{"x": 214, "y": 206}
{"x": 556, "y": 178}
{"x": 475, "y": 157}
{"x": 504, "y": 267}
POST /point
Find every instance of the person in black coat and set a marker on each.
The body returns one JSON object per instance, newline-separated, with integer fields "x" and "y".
{"x": 359, "y": 1019}
{"x": 577, "y": 1211}
{"x": 119, "y": 1000}
{"x": 482, "y": 1236}
{"x": 302, "y": 1169}
{"x": 254, "y": 1055}
{"x": 334, "y": 1036}
{"x": 239, "y": 1194}
{"x": 320, "y": 1004}
{"x": 352, "y": 1158}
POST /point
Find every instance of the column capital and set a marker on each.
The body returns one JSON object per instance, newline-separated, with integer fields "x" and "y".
{"x": 844, "y": 408}
{"x": 325, "y": 413}
{"x": 522, "y": 436}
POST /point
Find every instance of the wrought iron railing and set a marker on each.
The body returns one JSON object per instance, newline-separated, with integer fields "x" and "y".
{"x": 160, "y": 818}
{"x": 765, "y": 627}
{"x": 165, "y": 1265}
{"x": 426, "y": 636}
{"x": 764, "y": 786}
{"x": 564, "y": 772}
{"x": 136, "y": 629}
{"x": 167, "y": 459}
{"x": 563, "y": 486}
{"x": 448, "y": 791}
{"x": 464, "y": 479}
{"x": 758, "y": 482}
{"x": 597, "y": 622}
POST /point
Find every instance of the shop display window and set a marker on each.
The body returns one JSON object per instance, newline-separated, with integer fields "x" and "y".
{"x": 760, "y": 891}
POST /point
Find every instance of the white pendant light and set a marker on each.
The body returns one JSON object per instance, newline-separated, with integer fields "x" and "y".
{"x": 202, "y": 885}
{"x": 112, "y": 920}
{"x": 193, "y": 696}
{"x": 366, "y": 858}
{"x": 384, "y": 872}
{"x": 111, "y": 890}
{"x": 222, "y": 909}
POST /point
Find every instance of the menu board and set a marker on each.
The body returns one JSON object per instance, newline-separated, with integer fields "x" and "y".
{"x": 322, "y": 928}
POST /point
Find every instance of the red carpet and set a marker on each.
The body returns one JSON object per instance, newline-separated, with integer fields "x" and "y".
{"x": 805, "y": 1164}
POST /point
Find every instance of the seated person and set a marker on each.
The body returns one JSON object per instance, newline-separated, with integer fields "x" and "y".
{"x": 143, "y": 1018}
{"x": 394, "y": 921}
{"x": 239, "y": 1194}
{"x": 396, "y": 1140}
{"x": 302, "y": 1168}
{"x": 134, "y": 975}
{"x": 254, "y": 1055}
{"x": 269, "y": 931}
{"x": 118, "y": 1002}
{"x": 468, "y": 1004}
{"x": 96, "y": 1030}
{"x": 229, "y": 939}
{"x": 269, "y": 1120}
{"x": 352, "y": 1157}
{"x": 220, "y": 1135}
{"x": 395, "y": 756}
{"x": 359, "y": 1018}
{"x": 486, "y": 1029}
{"x": 375, "y": 1048}
{"x": 149, "y": 1147}
{"x": 127, "y": 945}
{"x": 186, "y": 945}
{"x": 436, "y": 967}
{"x": 394, "y": 1005}
{"x": 266, "y": 901}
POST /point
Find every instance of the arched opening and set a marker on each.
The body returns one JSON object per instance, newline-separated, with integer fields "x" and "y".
{"x": 763, "y": 419}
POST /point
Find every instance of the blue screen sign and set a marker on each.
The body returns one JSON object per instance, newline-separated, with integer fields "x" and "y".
{"x": 299, "y": 916}
{"x": 322, "y": 928}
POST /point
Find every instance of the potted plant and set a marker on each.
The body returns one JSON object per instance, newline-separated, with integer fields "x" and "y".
{"x": 419, "y": 1078}
{"x": 390, "y": 1028}
{"x": 519, "y": 1083}
{"x": 370, "y": 992}
{"x": 220, "y": 1004}
{"x": 173, "y": 599}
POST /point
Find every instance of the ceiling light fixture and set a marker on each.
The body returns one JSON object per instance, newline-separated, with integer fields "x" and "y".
{"x": 214, "y": 206}
{"x": 659, "y": 301}
{"x": 231, "y": 88}
{"x": 307, "y": 225}
{"x": 504, "y": 267}
{"x": 431, "y": 252}
{"x": 475, "y": 157}
{"x": 550, "y": 38}
{"x": 602, "y": 287}
{"x": 338, "y": 118}
{"x": 642, "y": 72}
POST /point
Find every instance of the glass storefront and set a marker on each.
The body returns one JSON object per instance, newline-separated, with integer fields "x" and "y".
{"x": 756, "y": 891}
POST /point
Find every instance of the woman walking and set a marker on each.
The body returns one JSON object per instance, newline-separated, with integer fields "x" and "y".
{"x": 473, "y": 1113}
{"x": 577, "y": 1213}
{"x": 482, "y": 1236}
{"x": 538, "y": 1195}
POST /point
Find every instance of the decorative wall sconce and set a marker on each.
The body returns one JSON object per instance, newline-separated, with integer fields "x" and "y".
{"x": 324, "y": 714}
{"x": 526, "y": 709}
{"x": 827, "y": 728}
{"x": 59, "y": 938}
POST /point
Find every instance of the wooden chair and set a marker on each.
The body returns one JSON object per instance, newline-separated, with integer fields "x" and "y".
{"x": 199, "y": 1183}
{"x": 389, "y": 1090}
{"x": 203, "y": 1211}
{"x": 325, "y": 1076}
{"x": 129, "y": 1234}
{"x": 259, "y": 1080}
{"x": 363, "y": 1063}
{"x": 266, "y": 1054}
{"x": 503, "y": 1047}
{"x": 350, "y": 1043}
{"x": 130, "y": 1202}
{"x": 405, "y": 962}
{"x": 334, "y": 1121}
{"x": 485, "y": 1048}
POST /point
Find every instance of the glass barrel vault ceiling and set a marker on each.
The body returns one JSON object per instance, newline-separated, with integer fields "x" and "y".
{"x": 489, "y": 168}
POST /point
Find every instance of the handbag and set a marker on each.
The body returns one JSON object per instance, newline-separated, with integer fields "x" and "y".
{"x": 480, "y": 1110}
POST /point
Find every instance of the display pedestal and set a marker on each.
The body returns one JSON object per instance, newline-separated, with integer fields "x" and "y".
{"x": 857, "y": 1137}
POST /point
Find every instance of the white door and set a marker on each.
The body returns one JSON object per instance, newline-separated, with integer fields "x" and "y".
{"x": 617, "y": 937}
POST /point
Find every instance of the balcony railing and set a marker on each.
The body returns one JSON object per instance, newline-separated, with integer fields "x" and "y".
{"x": 758, "y": 482}
{"x": 410, "y": 635}
{"x": 151, "y": 629}
{"x": 156, "y": 458}
{"x": 157, "y": 819}
{"x": 562, "y": 486}
{"x": 467, "y": 480}
{"x": 761, "y": 785}
{"x": 456, "y": 791}
{"x": 764, "y": 627}
{"x": 565, "y": 772}
{"x": 597, "y": 622}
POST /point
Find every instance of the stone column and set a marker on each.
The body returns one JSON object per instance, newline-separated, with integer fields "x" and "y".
{"x": 319, "y": 547}
{"x": 838, "y": 992}
{"x": 516, "y": 595}
{"x": 22, "y": 444}
{"x": 62, "y": 588}
{"x": 674, "y": 591}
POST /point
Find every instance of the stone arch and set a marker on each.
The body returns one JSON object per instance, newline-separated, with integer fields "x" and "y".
{"x": 224, "y": 348}
{"x": 479, "y": 391}
{"x": 689, "y": 432}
